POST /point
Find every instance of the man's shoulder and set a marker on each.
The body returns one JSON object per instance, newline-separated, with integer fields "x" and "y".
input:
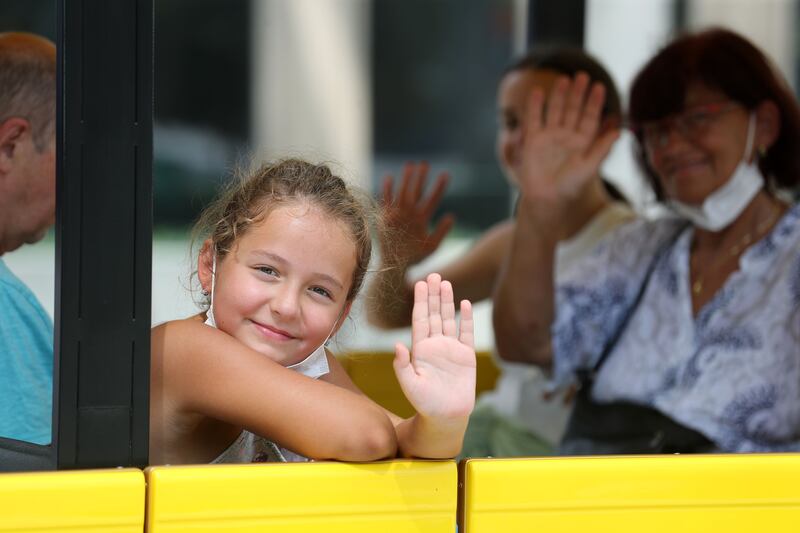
{"x": 14, "y": 294}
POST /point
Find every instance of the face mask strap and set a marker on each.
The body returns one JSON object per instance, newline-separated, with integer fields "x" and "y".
{"x": 751, "y": 135}
{"x": 213, "y": 273}
{"x": 335, "y": 325}
{"x": 210, "y": 320}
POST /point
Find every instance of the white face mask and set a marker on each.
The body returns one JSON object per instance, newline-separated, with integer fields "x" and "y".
{"x": 313, "y": 366}
{"x": 724, "y": 205}
{"x": 210, "y": 321}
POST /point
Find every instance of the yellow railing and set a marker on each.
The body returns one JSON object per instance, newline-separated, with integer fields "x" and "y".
{"x": 653, "y": 494}
{"x": 383, "y": 497}
{"x": 661, "y": 494}
{"x": 102, "y": 501}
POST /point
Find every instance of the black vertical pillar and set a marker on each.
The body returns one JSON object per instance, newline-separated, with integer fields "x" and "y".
{"x": 558, "y": 22}
{"x": 103, "y": 232}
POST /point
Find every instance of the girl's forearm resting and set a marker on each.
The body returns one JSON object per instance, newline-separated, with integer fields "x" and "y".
{"x": 427, "y": 438}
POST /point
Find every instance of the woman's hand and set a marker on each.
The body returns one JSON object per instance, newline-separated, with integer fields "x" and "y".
{"x": 561, "y": 147}
{"x": 408, "y": 213}
{"x": 438, "y": 376}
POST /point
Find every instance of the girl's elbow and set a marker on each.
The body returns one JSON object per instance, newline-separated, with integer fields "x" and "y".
{"x": 372, "y": 443}
{"x": 381, "y": 444}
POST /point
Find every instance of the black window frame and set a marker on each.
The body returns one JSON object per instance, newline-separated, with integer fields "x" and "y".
{"x": 104, "y": 153}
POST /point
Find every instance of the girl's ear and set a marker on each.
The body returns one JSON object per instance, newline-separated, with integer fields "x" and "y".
{"x": 342, "y": 317}
{"x": 205, "y": 265}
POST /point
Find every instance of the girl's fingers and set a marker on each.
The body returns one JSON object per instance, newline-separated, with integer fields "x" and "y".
{"x": 466, "y": 335}
{"x": 533, "y": 119}
{"x": 429, "y": 206}
{"x": 419, "y": 183}
{"x": 448, "y": 310}
{"x": 402, "y": 357}
{"x": 420, "y": 324}
{"x": 575, "y": 99}
{"x": 444, "y": 225}
{"x": 406, "y": 184}
{"x": 590, "y": 118}
{"x": 388, "y": 186}
{"x": 434, "y": 304}
{"x": 600, "y": 148}
{"x": 554, "y": 111}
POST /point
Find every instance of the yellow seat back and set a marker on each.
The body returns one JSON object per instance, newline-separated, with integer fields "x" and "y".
{"x": 657, "y": 494}
{"x": 385, "y": 497}
{"x": 107, "y": 501}
{"x": 372, "y": 372}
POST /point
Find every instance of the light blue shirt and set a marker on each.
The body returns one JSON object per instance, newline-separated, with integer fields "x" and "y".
{"x": 732, "y": 372}
{"x": 26, "y": 363}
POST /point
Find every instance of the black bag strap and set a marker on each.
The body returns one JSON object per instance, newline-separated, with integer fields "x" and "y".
{"x": 588, "y": 375}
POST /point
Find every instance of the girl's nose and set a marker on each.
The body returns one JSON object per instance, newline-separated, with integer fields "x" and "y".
{"x": 285, "y": 301}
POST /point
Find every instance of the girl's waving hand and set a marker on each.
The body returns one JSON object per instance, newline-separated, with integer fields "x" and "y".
{"x": 438, "y": 374}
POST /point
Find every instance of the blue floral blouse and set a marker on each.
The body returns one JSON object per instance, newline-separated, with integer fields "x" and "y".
{"x": 732, "y": 372}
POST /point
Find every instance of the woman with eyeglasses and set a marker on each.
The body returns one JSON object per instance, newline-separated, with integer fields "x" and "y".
{"x": 684, "y": 331}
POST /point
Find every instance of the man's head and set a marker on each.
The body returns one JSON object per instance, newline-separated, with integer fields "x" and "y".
{"x": 27, "y": 138}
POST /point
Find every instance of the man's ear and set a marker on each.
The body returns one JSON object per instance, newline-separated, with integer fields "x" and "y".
{"x": 342, "y": 317}
{"x": 205, "y": 265}
{"x": 768, "y": 124}
{"x": 12, "y": 132}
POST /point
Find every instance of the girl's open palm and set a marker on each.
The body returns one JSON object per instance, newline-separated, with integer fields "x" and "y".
{"x": 561, "y": 148}
{"x": 438, "y": 375}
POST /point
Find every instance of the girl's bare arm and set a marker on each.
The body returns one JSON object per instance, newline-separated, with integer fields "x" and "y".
{"x": 209, "y": 372}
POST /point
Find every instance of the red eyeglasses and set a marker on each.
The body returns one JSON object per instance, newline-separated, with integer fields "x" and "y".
{"x": 691, "y": 123}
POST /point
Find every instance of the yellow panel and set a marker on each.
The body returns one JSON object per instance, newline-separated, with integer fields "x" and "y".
{"x": 385, "y": 497}
{"x": 372, "y": 372}
{"x": 82, "y": 500}
{"x": 657, "y": 494}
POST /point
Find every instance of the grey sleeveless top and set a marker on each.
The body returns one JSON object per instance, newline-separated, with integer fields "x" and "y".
{"x": 251, "y": 448}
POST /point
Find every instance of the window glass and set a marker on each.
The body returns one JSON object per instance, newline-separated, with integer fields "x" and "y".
{"x": 27, "y": 267}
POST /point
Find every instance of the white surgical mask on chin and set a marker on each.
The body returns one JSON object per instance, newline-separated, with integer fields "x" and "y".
{"x": 725, "y": 204}
{"x": 316, "y": 364}
{"x": 313, "y": 366}
{"x": 210, "y": 312}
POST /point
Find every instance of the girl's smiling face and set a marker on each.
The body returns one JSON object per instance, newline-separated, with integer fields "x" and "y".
{"x": 283, "y": 287}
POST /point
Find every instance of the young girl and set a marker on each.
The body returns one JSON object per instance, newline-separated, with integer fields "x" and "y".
{"x": 286, "y": 254}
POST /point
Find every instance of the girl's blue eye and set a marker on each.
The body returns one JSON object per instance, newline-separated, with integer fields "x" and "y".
{"x": 321, "y": 291}
{"x": 267, "y": 270}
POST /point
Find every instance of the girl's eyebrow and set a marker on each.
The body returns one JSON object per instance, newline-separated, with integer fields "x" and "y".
{"x": 269, "y": 255}
{"x": 280, "y": 260}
